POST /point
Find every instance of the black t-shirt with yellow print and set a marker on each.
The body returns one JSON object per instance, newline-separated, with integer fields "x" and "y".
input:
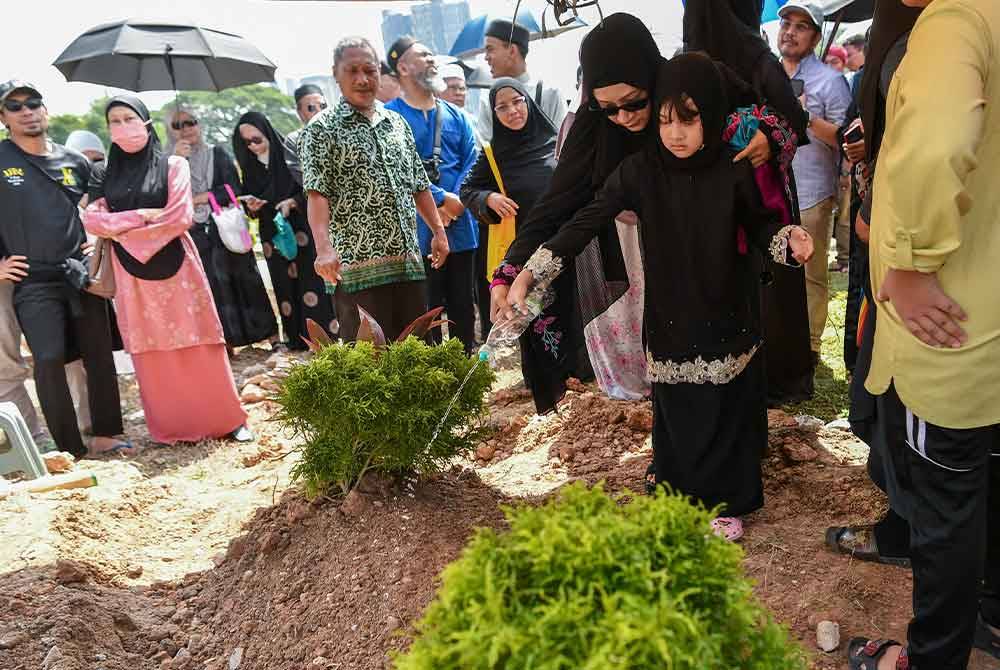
{"x": 38, "y": 197}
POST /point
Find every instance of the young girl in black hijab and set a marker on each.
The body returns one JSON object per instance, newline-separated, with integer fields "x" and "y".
{"x": 701, "y": 325}
{"x": 299, "y": 291}
{"x": 524, "y": 142}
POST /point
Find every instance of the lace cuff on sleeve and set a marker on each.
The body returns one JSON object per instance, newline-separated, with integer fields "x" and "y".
{"x": 781, "y": 251}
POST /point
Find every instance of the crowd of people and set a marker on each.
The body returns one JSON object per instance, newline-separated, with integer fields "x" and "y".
{"x": 682, "y": 218}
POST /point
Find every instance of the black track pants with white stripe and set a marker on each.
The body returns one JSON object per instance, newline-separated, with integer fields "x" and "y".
{"x": 948, "y": 481}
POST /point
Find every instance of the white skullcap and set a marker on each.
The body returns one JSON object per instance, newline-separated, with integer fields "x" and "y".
{"x": 82, "y": 140}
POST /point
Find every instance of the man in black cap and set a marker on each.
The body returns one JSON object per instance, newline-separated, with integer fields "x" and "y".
{"x": 41, "y": 184}
{"x": 309, "y": 101}
{"x": 446, "y": 142}
{"x": 506, "y": 51}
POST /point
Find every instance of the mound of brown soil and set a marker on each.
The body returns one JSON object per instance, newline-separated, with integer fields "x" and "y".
{"x": 335, "y": 585}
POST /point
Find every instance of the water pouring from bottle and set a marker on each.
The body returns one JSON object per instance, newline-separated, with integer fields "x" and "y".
{"x": 501, "y": 342}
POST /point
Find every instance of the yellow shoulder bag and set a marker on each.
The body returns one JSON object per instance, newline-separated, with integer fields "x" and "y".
{"x": 501, "y": 234}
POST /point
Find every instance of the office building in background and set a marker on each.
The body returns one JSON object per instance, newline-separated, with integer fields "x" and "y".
{"x": 435, "y": 23}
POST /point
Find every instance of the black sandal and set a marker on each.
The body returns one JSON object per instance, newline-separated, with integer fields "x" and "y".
{"x": 650, "y": 485}
{"x": 986, "y": 640}
{"x": 864, "y": 654}
{"x": 859, "y": 542}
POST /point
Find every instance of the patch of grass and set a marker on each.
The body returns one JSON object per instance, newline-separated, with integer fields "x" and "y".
{"x": 830, "y": 400}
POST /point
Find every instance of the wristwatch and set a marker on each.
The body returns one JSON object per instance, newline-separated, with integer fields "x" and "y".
{"x": 812, "y": 117}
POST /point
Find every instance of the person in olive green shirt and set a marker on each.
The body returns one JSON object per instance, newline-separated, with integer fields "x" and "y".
{"x": 935, "y": 268}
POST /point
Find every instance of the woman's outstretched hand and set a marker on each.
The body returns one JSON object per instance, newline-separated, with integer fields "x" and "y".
{"x": 518, "y": 293}
{"x": 498, "y": 302}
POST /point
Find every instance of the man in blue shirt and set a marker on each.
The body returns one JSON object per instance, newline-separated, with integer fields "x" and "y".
{"x": 817, "y": 164}
{"x": 453, "y": 285}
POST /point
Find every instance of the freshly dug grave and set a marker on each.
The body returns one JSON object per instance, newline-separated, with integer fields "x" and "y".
{"x": 143, "y": 572}
{"x": 333, "y": 585}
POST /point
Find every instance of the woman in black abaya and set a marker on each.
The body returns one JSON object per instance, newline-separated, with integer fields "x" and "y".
{"x": 237, "y": 286}
{"x": 299, "y": 291}
{"x": 524, "y": 142}
{"x": 729, "y": 32}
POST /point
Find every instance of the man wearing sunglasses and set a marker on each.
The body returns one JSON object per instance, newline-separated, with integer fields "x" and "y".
{"x": 41, "y": 243}
{"x": 309, "y": 101}
{"x": 816, "y": 165}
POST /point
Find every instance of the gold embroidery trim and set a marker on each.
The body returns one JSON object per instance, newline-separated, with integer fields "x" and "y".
{"x": 698, "y": 371}
{"x": 779, "y": 247}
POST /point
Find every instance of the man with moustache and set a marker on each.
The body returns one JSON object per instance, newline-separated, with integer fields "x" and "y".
{"x": 41, "y": 246}
{"x": 446, "y": 143}
{"x": 816, "y": 165}
{"x": 365, "y": 183}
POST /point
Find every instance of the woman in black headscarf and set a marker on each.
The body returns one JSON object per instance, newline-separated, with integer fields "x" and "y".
{"x": 237, "y": 286}
{"x": 299, "y": 291}
{"x": 701, "y": 324}
{"x": 887, "y": 541}
{"x": 524, "y": 142}
{"x": 620, "y": 60}
{"x": 165, "y": 310}
{"x": 619, "y": 53}
{"x": 729, "y": 31}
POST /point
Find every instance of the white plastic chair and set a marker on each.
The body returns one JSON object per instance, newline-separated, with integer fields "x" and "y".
{"x": 18, "y": 451}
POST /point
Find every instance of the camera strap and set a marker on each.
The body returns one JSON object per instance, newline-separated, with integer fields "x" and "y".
{"x": 438, "y": 125}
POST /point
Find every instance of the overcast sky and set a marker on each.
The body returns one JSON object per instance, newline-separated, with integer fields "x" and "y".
{"x": 297, "y": 36}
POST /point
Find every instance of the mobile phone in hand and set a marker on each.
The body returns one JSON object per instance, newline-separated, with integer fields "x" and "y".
{"x": 855, "y": 134}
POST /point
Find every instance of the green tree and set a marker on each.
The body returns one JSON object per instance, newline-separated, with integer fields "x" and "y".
{"x": 218, "y": 112}
{"x": 61, "y": 125}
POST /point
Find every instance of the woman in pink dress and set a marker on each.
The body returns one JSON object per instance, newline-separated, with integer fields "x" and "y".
{"x": 164, "y": 304}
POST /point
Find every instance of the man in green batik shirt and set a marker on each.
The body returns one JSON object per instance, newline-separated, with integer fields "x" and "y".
{"x": 365, "y": 183}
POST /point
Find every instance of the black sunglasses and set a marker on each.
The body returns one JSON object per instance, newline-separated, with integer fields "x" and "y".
{"x": 315, "y": 108}
{"x": 254, "y": 141}
{"x": 612, "y": 110}
{"x": 190, "y": 123}
{"x": 17, "y": 105}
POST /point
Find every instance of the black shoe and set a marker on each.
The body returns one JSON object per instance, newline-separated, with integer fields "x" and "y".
{"x": 859, "y": 542}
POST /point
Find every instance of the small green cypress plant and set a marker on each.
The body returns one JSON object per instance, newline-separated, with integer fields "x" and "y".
{"x": 586, "y": 582}
{"x": 361, "y": 408}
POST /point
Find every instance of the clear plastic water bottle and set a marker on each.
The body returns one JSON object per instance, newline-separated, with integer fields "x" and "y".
{"x": 502, "y": 340}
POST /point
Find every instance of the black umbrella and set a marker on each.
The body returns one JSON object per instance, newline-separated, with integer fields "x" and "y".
{"x": 157, "y": 56}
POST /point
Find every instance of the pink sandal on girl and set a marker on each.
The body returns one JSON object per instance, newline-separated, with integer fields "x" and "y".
{"x": 728, "y": 527}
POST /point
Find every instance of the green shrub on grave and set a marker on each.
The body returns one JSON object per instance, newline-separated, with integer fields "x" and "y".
{"x": 363, "y": 409}
{"x": 589, "y": 582}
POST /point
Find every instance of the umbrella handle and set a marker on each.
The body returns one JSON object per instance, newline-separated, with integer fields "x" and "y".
{"x": 170, "y": 71}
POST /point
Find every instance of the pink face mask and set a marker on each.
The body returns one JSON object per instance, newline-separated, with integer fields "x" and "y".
{"x": 131, "y": 137}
